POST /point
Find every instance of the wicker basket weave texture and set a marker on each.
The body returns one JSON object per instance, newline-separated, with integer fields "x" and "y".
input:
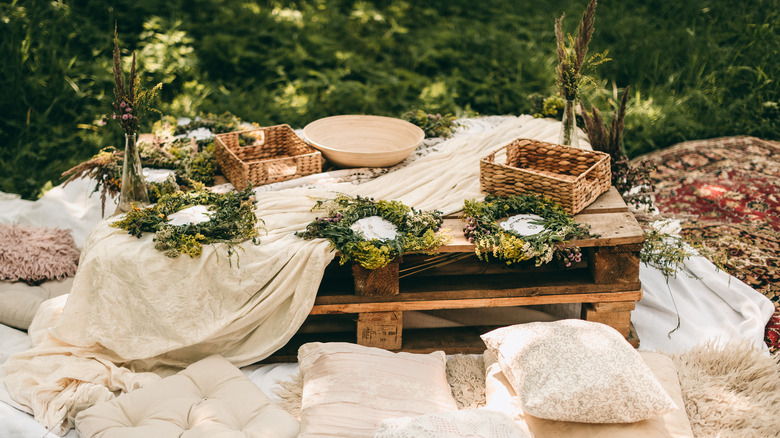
{"x": 278, "y": 155}
{"x": 571, "y": 176}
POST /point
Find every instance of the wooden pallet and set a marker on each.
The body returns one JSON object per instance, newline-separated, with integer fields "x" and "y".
{"x": 606, "y": 282}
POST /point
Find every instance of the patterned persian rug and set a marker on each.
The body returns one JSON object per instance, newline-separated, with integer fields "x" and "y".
{"x": 726, "y": 192}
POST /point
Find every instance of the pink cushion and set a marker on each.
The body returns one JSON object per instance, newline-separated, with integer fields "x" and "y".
{"x": 36, "y": 254}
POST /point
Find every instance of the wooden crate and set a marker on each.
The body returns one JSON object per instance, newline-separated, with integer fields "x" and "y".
{"x": 606, "y": 282}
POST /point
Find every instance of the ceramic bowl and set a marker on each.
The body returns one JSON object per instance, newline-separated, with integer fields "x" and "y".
{"x": 363, "y": 141}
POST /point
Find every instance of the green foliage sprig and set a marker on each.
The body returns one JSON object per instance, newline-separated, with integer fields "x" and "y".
{"x": 191, "y": 162}
{"x": 547, "y": 106}
{"x": 491, "y": 240}
{"x": 233, "y": 221}
{"x": 665, "y": 252}
{"x": 418, "y": 231}
{"x": 434, "y": 125}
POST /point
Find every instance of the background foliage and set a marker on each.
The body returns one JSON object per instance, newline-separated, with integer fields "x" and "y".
{"x": 697, "y": 68}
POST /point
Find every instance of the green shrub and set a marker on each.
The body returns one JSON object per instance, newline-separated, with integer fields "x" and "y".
{"x": 697, "y": 69}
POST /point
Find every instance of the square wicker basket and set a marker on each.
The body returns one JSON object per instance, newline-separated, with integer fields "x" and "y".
{"x": 275, "y": 154}
{"x": 570, "y": 176}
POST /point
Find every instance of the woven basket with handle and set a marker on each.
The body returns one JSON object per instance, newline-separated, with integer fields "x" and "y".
{"x": 271, "y": 154}
{"x": 571, "y": 176}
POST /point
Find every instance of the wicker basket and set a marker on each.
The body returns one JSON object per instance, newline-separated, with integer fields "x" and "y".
{"x": 277, "y": 154}
{"x": 571, "y": 176}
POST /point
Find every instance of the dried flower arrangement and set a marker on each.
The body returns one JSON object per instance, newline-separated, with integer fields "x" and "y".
{"x": 572, "y": 57}
{"x": 632, "y": 181}
{"x": 131, "y": 101}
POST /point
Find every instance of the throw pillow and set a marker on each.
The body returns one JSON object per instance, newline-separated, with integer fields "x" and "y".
{"x": 472, "y": 423}
{"x": 574, "y": 370}
{"x": 35, "y": 254}
{"x": 348, "y": 389}
{"x": 502, "y": 398}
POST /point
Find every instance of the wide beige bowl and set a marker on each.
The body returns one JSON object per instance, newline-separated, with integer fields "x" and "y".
{"x": 363, "y": 141}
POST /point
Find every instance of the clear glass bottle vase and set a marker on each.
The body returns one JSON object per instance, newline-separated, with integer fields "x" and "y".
{"x": 133, "y": 184}
{"x": 568, "y": 135}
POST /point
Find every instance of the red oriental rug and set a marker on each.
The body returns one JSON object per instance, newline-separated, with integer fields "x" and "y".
{"x": 726, "y": 190}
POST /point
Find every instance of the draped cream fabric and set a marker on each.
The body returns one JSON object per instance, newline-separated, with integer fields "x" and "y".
{"x": 132, "y": 310}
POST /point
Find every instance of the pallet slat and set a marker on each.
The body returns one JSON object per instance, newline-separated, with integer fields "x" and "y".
{"x": 321, "y": 308}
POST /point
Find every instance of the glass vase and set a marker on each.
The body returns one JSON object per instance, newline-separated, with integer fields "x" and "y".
{"x": 568, "y": 135}
{"x": 133, "y": 183}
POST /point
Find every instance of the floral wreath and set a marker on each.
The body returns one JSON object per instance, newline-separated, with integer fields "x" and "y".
{"x": 415, "y": 231}
{"x": 232, "y": 221}
{"x": 490, "y": 239}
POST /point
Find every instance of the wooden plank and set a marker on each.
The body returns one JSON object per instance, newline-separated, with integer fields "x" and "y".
{"x": 614, "y": 264}
{"x": 613, "y": 229}
{"x": 614, "y": 315}
{"x": 451, "y": 340}
{"x": 380, "y": 329}
{"x": 609, "y": 202}
{"x": 616, "y": 306}
{"x": 381, "y": 281}
{"x": 321, "y": 308}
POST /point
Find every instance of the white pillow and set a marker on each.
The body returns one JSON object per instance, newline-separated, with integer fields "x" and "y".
{"x": 472, "y": 423}
{"x": 574, "y": 370}
{"x": 348, "y": 389}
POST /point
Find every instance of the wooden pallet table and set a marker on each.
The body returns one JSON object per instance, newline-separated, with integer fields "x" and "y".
{"x": 606, "y": 282}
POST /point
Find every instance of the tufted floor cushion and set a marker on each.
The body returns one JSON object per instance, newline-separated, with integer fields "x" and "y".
{"x": 211, "y": 398}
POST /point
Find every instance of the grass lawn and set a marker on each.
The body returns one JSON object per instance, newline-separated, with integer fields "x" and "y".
{"x": 697, "y": 69}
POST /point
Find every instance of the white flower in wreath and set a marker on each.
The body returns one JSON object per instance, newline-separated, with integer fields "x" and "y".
{"x": 523, "y": 224}
{"x": 191, "y": 215}
{"x": 375, "y": 227}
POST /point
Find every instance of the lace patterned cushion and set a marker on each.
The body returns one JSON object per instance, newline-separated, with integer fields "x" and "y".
{"x": 472, "y": 423}
{"x": 574, "y": 370}
{"x": 348, "y": 389}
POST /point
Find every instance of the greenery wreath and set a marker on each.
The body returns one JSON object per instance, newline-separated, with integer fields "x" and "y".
{"x": 416, "y": 231}
{"x": 233, "y": 221}
{"x": 490, "y": 239}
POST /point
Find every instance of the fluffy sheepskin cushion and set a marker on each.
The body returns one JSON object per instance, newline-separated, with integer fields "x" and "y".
{"x": 35, "y": 254}
{"x": 574, "y": 370}
{"x": 210, "y": 398}
{"x": 348, "y": 389}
